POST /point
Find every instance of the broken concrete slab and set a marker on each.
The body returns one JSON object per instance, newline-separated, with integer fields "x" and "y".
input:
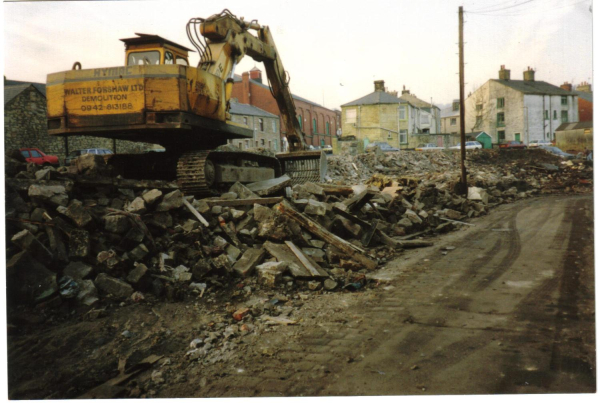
{"x": 315, "y": 208}
{"x": 116, "y": 223}
{"x": 53, "y": 194}
{"x": 269, "y": 187}
{"x": 78, "y": 270}
{"x": 78, "y": 213}
{"x": 250, "y": 259}
{"x": 151, "y": 196}
{"x": 172, "y": 200}
{"x": 242, "y": 191}
{"x": 113, "y": 286}
{"x": 271, "y": 273}
{"x": 137, "y": 206}
{"x": 26, "y": 241}
{"x": 88, "y": 295}
{"x": 137, "y": 273}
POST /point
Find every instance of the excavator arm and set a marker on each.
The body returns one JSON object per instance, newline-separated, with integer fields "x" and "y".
{"x": 228, "y": 40}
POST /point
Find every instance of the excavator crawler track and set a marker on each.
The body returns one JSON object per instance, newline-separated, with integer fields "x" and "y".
{"x": 197, "y": 169}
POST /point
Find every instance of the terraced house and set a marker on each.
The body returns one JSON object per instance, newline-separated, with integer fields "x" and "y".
{"x": 522, "y": 110}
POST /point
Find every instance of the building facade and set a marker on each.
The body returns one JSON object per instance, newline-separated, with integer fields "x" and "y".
{"x": 450, "y": 118}
{"x": 264, "y": 124}
{"x": 318, "y": 123}
{"x": 522, "y": 110}
{"x": 378, "y": 117}
{"x": 429, "y": 114}
{"x": 585, "y": 100}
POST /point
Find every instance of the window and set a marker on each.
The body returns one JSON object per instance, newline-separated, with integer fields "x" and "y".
{"x": 269, "y": 144}
{"x": 390, "y": 135}
{"x": 322, "y": 142}
{"x": 554, "y": 114}
{"x": 350, "y": 116}
{"x": 546, "y": 114}
{"x": 500, "y": 103}
{"x": 35, "y": 153}
{"x": 169, "y": 58}
{"x": 275, "y": 145}
{"x": 181, "y": 61}
{"x": 402, "y": 113}
{"x": 262, "y": 142}
{"x": 143, "y": 58}
{"x": 500, "y": 119}
{"x": 327, "y": 128}
{"x": 300, "y": 120}
{"x": 453, "y": 122}
{"x": 261, "y": 124}
{"x": 25, "y": 153}
{"x": 501, "y": 136}
{"x": 479, "y": 107}
{"x": 246, "y": 120}
{"x": 247, "y": 144}
{"x": 455, "y": 106}
{"x": 478, "y": 121}
{"x": 563, "y": 100}
{"x": 564, "y": 116}
{"x": 403, "y": 136}
{"x": 314, "y": 125}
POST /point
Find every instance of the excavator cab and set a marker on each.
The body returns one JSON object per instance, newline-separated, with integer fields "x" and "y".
{"x": 154, "y": 50}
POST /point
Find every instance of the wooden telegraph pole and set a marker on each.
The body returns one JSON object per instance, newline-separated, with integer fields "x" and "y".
{"x": 461, "y": 69}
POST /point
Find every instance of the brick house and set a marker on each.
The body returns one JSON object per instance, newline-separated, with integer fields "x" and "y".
{"x": 25, "y": 125}
{"x": 318, "y": 123}
{"x": 429, "y": 114}
{"x": 522, "y": 110}
{"x": 585, "y": 100}
{"x": 264, "y": 124}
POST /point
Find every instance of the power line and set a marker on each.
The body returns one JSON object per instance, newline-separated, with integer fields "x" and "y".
{"x": 487, "y": 8}
{"x": 528, "y": 12}
{"x": 505, "y": 8}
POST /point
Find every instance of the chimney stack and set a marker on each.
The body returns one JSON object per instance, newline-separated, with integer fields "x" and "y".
{"x": 256, "y": 74}
{"x": 379, "y": 85}
{"x": 504, "y": 74}
{"x": 567, "y": 86}
{"x": 585, "y": 87}
{"x": 404, "y": 90}
{"x": 529, "y": 74}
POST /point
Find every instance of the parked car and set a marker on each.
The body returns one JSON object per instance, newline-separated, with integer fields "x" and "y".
{"x": 76, "y": 153}
{"x": 558, "y": 152}
{"x": 328, "y": 149}
{"x": 513, "y": 144}
{"x": 536, "y": 143}
{"x": 469, "y": 145}
{"x": 383, "y": 146}
{"x": 428, "y": 146}
{"x": 33, "y": 155}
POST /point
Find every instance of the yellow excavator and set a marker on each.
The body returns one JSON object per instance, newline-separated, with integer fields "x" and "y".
{"x": 157, "y": 97}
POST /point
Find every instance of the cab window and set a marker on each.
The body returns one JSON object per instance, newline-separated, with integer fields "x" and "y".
{"x": 181, "y": 61}
{"x": 143, "y": 58}
{"x": 35, "y": 153}
{"x": 25, "y": 153}
{"x": 168, "y": 58}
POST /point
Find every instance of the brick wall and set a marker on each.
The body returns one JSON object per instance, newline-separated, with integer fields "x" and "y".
{"x": 250, "y": 92}
{"x": 25, "y": 126}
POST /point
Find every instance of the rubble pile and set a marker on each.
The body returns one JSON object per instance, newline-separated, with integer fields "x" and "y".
{"x": 77, "y": 234}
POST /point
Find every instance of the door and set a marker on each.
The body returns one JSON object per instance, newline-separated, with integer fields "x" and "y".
{"x": 485, "y": 140}
{"x": 518, "y": 137}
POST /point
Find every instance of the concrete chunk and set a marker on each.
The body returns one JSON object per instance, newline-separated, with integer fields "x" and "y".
{"x": 242, "y": 191}
{"x": 151, "y": 196}
{"x": 116, "y": 223}
{"x": 54, "y": 194}
{"x": 269, "y": 187}
{"x": 114, "y": 286}
{"x": 137, "y": 273}
{"x": 172, "y": 200}
{"x": 25, "y": 240}
{"x": 78, "y": 214}
{"x": 250, "y": 259}
{"x": 315, "y": 208}
{"x": 77, "y": 270}
{"x": 88, "y": 295}
{"x": 271, "y": 273}
{"x": 28, "y": 280}
{"x": 137, "y": 206}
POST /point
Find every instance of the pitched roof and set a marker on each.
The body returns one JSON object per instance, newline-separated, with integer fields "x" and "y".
{"x": 237, "y": 78}
{"x": 585, "y": 95}
{"x": 534, "y": 87}
{"x": 416, "y": 101}
{"x": 41, "y": 87}
{"x": 245, "y": 109}
{"x": 575, "y": 125}
{"x": 11, "y": 92}
{"x": 449, "y": 112}
{"x": 376, "y": 97}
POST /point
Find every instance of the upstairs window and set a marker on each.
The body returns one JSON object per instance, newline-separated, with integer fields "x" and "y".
{"x": 314, "y": 125}
{"x": 300, "y": 120}
{"x": 500, "y": 103}
{"x": 554, "y": 114}
{"x": 479, "y": 108}
{"x": 402, "y": 113}
{"x": 327, "y": 128}
{"x": 261, "y": 124}
{"x": 564, "y": 116}
{"x": 453, "y": 122}
{"x": 563, "y": 100}
{"x": 351, "y": 116}
{"x": 500, "y": 119}
{"x": 546, "y": 114}
{"x": 246, "y": 120}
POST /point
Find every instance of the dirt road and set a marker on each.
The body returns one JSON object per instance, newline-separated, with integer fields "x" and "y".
{"x": 509, "y": 310}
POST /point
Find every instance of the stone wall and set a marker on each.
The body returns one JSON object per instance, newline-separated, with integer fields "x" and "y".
{"x": 25, "y": 126}
{"x": 268, "y": 138}
{"x": 377, "y": 123}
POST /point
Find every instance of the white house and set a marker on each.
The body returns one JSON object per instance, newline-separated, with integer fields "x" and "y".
{"x": 522, "y": 110}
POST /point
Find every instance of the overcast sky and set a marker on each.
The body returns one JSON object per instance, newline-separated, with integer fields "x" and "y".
{"x": 333, "y": 50}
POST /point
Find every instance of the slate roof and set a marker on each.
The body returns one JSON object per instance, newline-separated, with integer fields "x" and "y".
{"x": 449, "y": 112}
{"x": 245, "y": 109}
{"x": 41, "y": 87}
{"x": 11, "y": 92}
{"x": 584, "y": 95}
{"x": 376, "y": 97}
{"x": 575, "y": 125}
{"x": 534, "y": 87}
{"x": 419, "y": 103}
{"x": 237, "y": 78}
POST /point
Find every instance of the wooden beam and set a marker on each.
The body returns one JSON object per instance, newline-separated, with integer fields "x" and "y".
{"x": 354, "y": 252}
{"x": 195, "y": 212}
{"x": 313, "y": 269}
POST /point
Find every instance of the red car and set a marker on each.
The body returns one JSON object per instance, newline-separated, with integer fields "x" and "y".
{"x": 513, "y": 145}
{"x": 36, "y": 156}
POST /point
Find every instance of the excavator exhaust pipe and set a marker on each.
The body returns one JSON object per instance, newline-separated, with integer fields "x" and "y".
{"x": 304, "y": 166}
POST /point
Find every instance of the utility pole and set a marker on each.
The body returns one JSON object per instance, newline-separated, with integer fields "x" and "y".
{"x": 463, "y": 188}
